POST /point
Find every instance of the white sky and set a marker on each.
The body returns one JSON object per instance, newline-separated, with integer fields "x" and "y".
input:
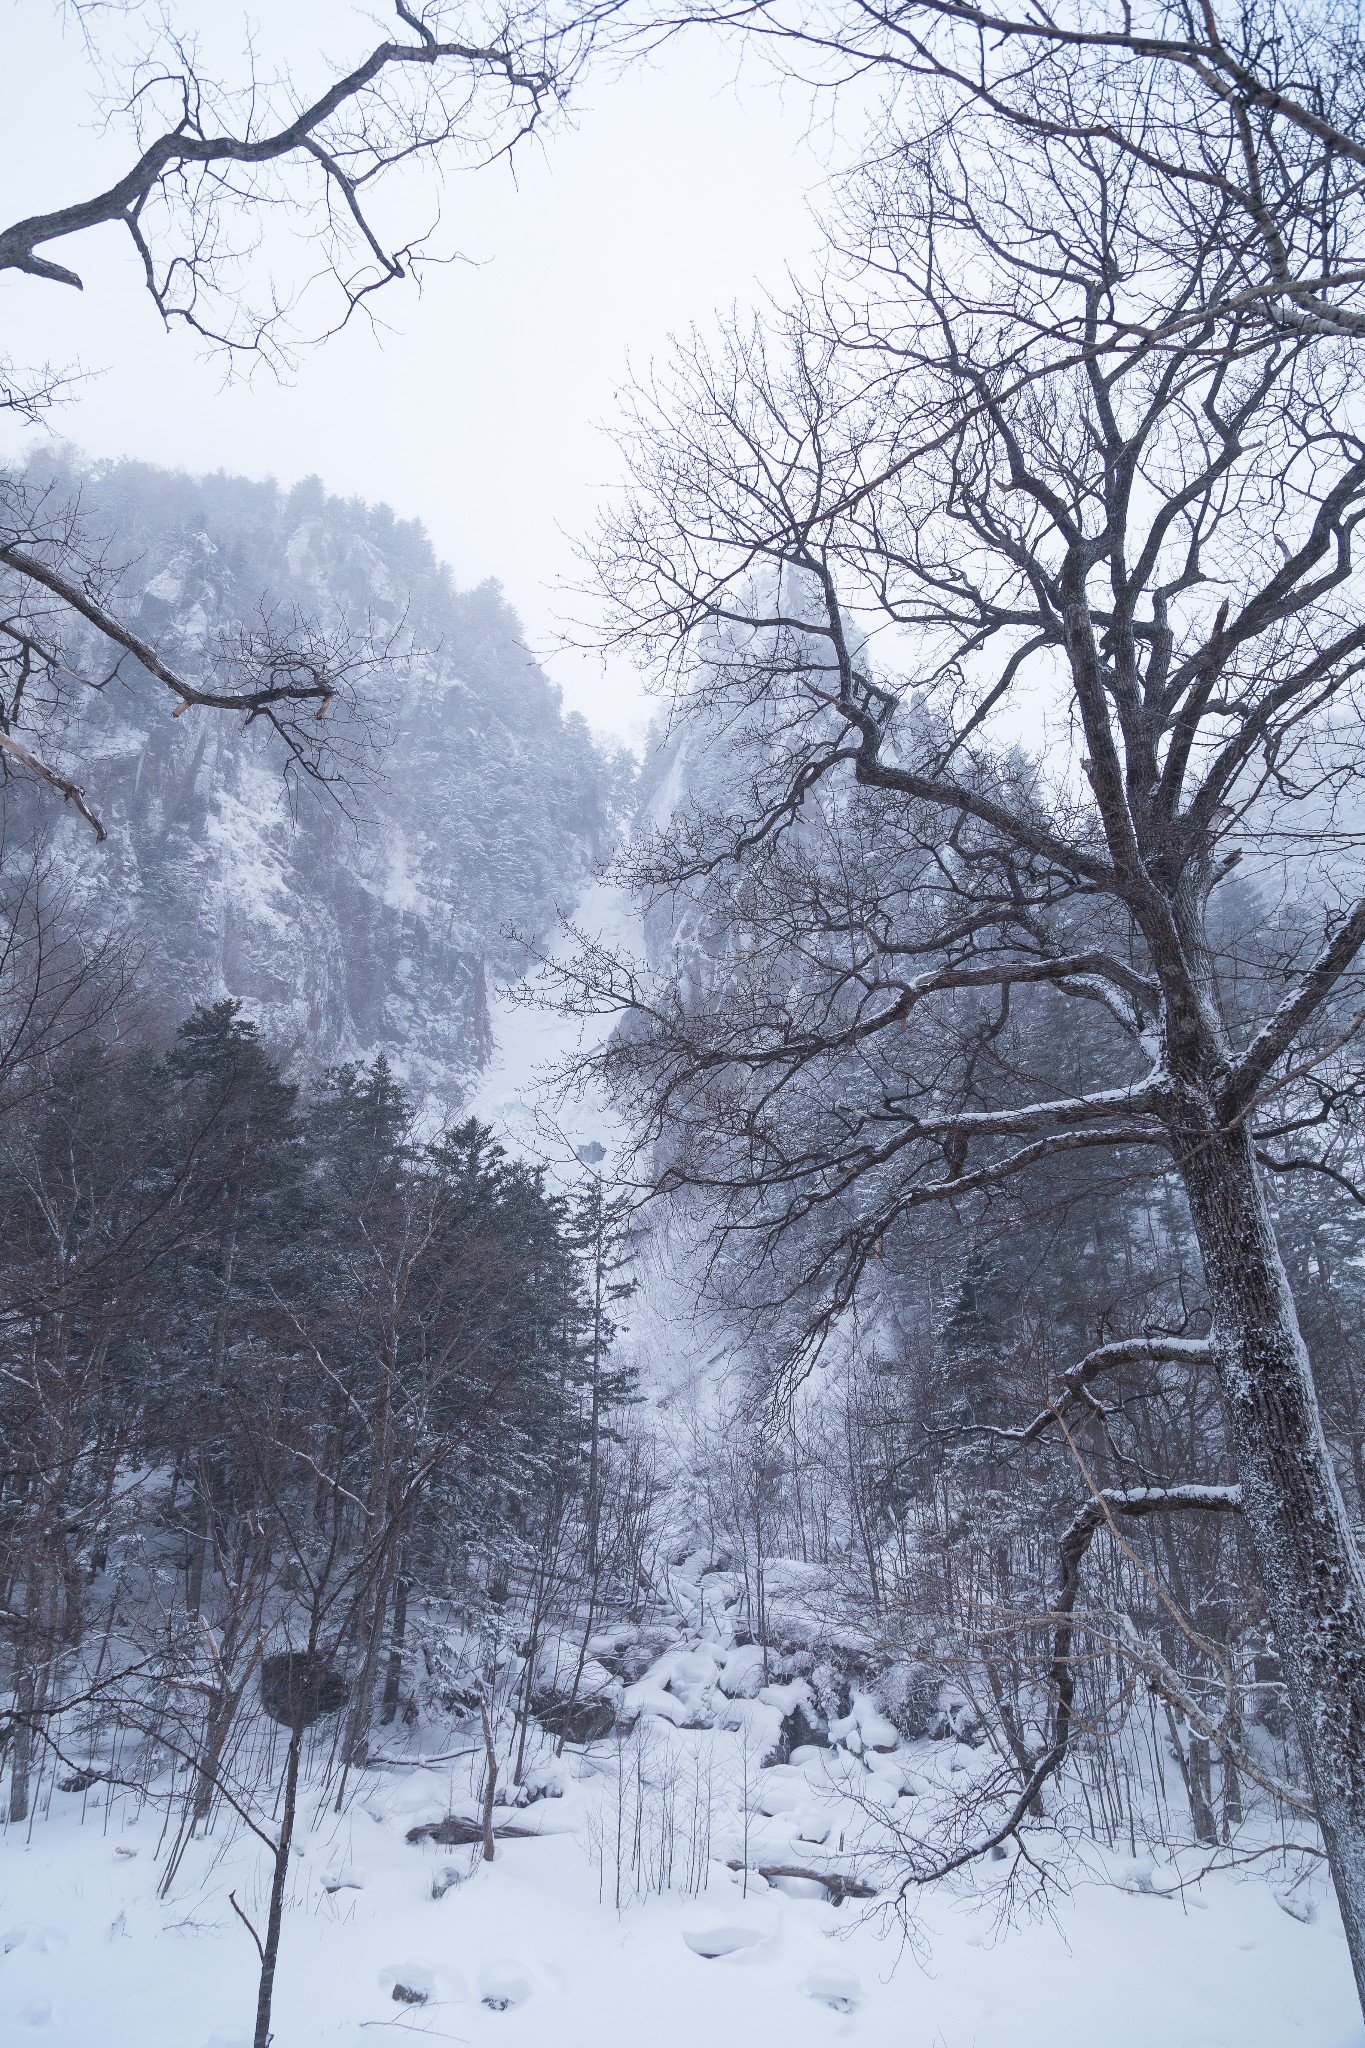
{"x": 681, "y": 189}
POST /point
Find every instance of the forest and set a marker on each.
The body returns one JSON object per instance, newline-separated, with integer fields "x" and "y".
{"x": 731, "y": 1366}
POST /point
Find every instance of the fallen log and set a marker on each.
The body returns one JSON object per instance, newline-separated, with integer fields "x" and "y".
{"x": 835, "y": 1883}
{"x": 456, "y": 1832}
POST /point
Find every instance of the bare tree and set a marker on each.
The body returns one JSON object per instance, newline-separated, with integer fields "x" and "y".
{"x": 59, "y": 981}
{"x": 1084, "y": 640}
{"x": 1256, "y": 110}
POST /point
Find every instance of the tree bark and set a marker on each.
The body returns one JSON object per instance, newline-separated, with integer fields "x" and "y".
{"x": 1309, "y": 1565}
{"x": 21, "y": 1755}
{"x": 490, "y": 1782}
{"x": 393, "y": 1676}
{"x": 1199, "y": 1758}
{"x": 270, "y": 1948}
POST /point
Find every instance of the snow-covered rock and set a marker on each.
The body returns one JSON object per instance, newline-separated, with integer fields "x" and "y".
{"x": 742, "y": 1672}
{"x": 573, "y": 1695}
{"x": 838, "y": 1989}
{"x": 712, "y": 1942}
{"x": 679, "y": 1687}
{"x": 865, "y": 1728}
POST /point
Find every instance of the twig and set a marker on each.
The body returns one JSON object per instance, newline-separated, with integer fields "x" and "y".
{"x": 232, "y": 1901}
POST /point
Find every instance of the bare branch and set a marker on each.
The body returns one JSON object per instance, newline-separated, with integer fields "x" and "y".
{"x": 1279, "y": 1032}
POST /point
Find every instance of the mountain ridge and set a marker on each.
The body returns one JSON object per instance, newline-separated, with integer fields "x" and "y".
{"x": 368, "y": 920}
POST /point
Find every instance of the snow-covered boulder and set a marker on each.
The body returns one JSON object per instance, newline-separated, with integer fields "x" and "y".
{"x": 573, "y": 1695}
{"x": 957, "y": 1717}
{"x": 627, "y": 1649}
{"x": 838, "y": 1989}
{"x": 743, "y": 1672}
{"x": 680, "y": 1687}
{"x": 721, "y": 1941}
{"x": 865, "y": 1728}
{"x": 909, "y": 1695}
{"x": 803, "y": 1725}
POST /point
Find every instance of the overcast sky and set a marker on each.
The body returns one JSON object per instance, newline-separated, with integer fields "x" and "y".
{"x": 680, "y": 189}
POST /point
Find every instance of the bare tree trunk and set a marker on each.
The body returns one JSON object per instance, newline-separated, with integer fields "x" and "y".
{"x": 356, "y": 1747}
{"x": 1013, "y": 1732}
{"x": 490, "y": 1783}
{"x": 21, "y": 1756}
{"x": 1201, "y": 1789}
{"x": 1232, "y": 1793}
{"x": 1233, "y": 1814}
{"x": 227, "y": 1696}
{"x": 357, "y": 1744}
{"x": 35, "y": 1650}
{"x": 270, "y": 1948}
{"x": 595, "y": 1413}
{"x": 585, "y": 1637}
{"x": 198, "y": 1546}
{"x": 594, "y": 1501}
{"x": 221, "y": 1713}
{"x": 1309, "y": 1566}
{"x": 393, "y": 1676}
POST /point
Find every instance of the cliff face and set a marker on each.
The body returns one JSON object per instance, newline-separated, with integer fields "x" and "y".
{"x": 370, "y": 919}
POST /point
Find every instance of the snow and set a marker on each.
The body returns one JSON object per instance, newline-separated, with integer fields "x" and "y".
{"x": 864, "y": 1728}
{"x": 713, "y": 1942}
{"x": 524, "y": 1951}
{"x": 385, "y": 1937}
{"x": 741, "y": 1673}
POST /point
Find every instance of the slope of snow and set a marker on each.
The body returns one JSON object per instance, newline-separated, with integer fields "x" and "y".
{"x": 532, "y": 1949}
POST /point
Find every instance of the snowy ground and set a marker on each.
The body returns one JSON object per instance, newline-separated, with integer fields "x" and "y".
{"x": 529, "y": 1951}
{"x": 93, "y": 1958}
